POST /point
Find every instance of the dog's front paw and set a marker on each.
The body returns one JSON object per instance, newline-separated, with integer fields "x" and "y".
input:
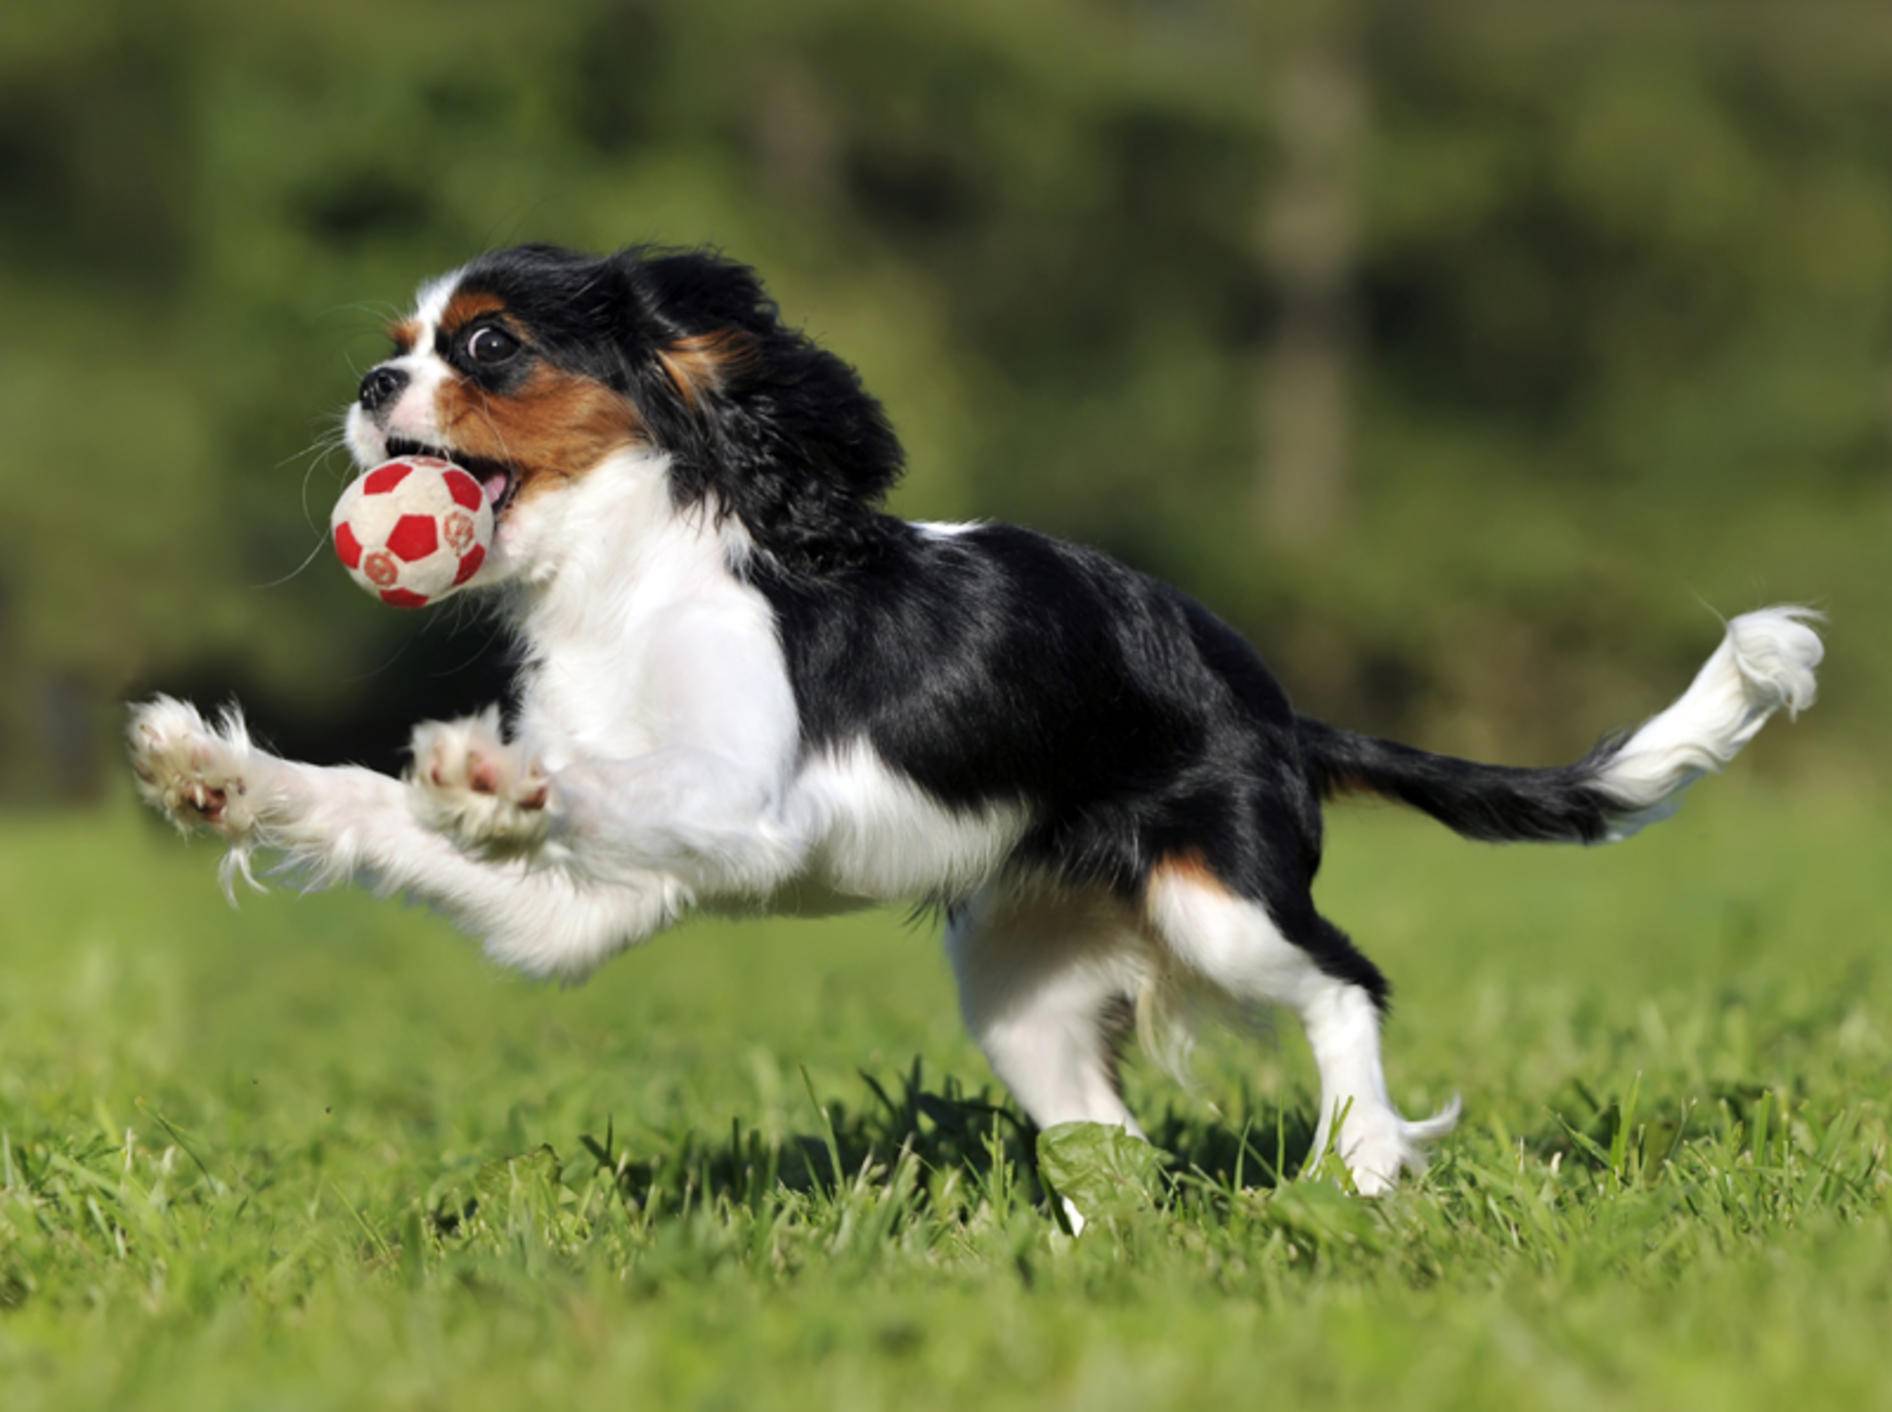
{"x": 470, "y": 785}
{"x": 197, "y": 775}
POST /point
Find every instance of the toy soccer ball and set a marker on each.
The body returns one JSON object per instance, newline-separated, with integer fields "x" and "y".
{"x": 413, "y": 530}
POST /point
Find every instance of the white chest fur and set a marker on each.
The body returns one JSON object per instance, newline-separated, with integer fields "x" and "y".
{"x": 656, "y": 683}
{"x": 638, "y": 636}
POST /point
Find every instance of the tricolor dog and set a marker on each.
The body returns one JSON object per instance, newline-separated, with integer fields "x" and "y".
{"x": 744, "y": 686}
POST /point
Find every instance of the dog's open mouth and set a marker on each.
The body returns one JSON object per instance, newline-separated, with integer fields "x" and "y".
{"x": 499, "y": 480}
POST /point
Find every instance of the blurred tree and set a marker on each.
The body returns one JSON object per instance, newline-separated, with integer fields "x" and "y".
{"x": 1309, "y": 239}
{"x": 1589, "y": 321}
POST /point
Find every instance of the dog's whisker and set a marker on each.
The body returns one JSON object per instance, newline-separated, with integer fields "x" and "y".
{"x": 328, "y": 441}
{"x": 315, "y": 464}
{"x": 309, "y": 559}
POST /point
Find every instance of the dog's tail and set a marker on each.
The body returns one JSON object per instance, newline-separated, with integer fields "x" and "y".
{"x": 1764, "y": 663}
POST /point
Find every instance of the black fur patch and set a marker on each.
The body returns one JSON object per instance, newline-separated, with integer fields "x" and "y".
{"x": 991, "y": 665}
{"x": 995, "y": 665}
{"x": 788, "y": 442}
{"x": 1496, "y": 803}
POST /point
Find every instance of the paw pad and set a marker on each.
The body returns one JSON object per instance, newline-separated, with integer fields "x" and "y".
{"x": 477, "y": 789}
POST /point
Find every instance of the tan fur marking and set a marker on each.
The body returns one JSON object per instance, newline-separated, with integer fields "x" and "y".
{"x": 702, "y": 362}
{"x": 403, "y": 332}
{"x": 467, "y": 305}
{"x": 1188, "y": 867}
{"x": 551, "y": 429}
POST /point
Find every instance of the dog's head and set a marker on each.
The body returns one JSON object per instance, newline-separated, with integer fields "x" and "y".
{"x": 541, "y": 369}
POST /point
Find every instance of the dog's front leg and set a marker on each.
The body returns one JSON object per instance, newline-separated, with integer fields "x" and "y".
{"x": 726, "y": 826}
{"x": 335, "y": 824}
{"x": 721, "y": 824}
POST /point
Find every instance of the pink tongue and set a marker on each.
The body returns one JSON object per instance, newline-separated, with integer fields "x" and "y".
{"x": 494, "y": 486}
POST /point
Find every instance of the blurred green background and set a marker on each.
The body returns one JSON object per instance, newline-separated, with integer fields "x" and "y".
{"x": 1464, "y": 355}
{"x": 1468, "y": 356}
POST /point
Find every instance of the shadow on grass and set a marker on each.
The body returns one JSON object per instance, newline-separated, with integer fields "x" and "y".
{"x": 957, "y": 1150}
{"x": 948, "y": 1130}
{"x": 1257, "y": 1148}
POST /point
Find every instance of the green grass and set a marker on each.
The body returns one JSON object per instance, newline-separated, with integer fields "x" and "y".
{"x": 317, "y": 1154}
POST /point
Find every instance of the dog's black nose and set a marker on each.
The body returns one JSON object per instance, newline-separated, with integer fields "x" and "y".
{"x": 380, "y": 387}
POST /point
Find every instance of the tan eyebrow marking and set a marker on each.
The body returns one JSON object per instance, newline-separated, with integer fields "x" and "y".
{"x": 404, "y": 332}
{"x": 467, "y": 305}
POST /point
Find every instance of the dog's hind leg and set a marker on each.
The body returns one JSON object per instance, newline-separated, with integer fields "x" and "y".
{"x": 1044, "y": 985}
{"x": 1235, "y": 945}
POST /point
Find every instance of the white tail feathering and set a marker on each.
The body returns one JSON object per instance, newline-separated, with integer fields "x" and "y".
{"x": 1764, "y": 664}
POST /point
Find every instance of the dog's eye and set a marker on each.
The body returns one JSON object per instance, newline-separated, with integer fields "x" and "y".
{"x": 489, "y": 345}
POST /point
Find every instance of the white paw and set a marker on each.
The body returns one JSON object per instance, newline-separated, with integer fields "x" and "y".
{"x": 1376, "y": 1151}
{"x": 1378, "y": 1146}
{"x": 197, "y": 775}
{"x": 476, "y": 789}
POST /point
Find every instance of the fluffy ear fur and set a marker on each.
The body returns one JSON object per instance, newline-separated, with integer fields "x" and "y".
{"x": 777, "y": 430}
{"x": 780, "y": 431}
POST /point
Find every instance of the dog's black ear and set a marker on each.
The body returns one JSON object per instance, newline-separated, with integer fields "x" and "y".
{"x": 778, "y": 430}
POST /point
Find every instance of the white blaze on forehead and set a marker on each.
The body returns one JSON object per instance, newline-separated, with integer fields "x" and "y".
{"x": 414, "y": 414}
{"x": 430, "y": 302}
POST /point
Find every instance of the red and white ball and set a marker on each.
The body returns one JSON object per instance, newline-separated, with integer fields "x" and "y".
{"x": 412, "y": 530}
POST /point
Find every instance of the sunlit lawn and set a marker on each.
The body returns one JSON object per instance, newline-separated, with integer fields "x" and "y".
{"x": 316, "y": 1153}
